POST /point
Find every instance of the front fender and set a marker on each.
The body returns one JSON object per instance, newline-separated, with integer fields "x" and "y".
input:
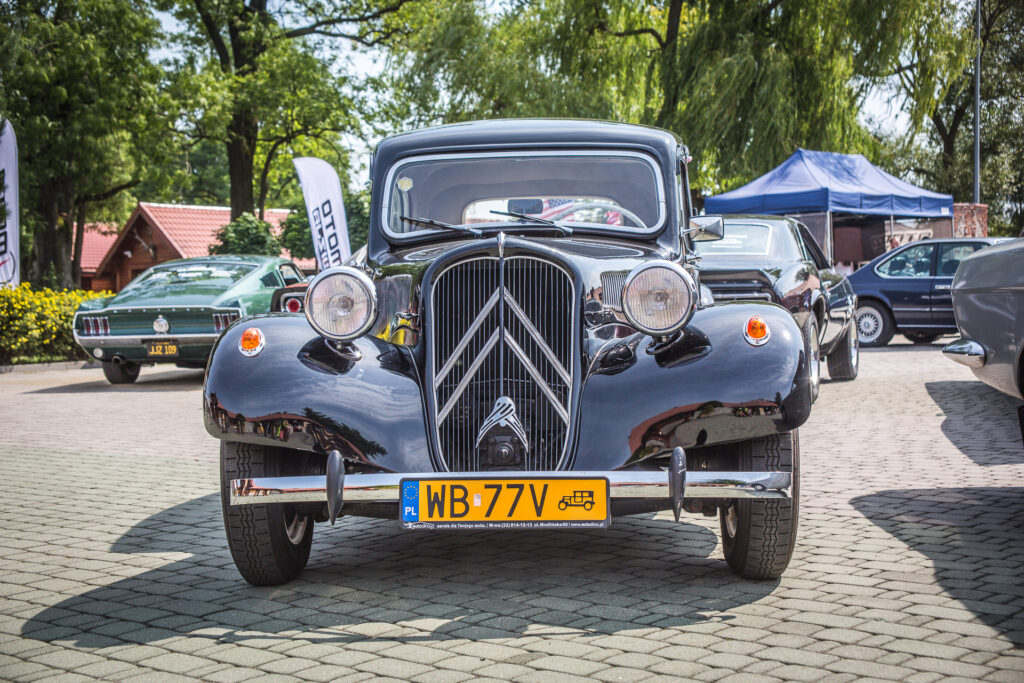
{"x": 299, "y": 391}
{"x": 711, "y": 387}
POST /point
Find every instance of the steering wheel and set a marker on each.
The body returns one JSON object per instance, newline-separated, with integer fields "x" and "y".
{"x": 569, "y": 210}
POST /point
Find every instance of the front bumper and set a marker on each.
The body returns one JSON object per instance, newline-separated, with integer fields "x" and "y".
{"x": 385, "y": 487}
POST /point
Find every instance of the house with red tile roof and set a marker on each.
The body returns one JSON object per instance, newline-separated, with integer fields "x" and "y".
{"x": 96, "y": 241}
{"x": 156, "y": 233}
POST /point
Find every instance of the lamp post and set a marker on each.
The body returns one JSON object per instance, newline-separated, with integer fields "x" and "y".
{"x": 977, "y": 103}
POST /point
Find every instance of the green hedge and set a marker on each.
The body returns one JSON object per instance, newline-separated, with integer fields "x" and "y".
{"x": 35, "y": 324}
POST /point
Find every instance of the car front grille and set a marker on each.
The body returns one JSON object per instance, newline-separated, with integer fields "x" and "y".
{"x": 739, "y": 290}
{"x": 473, "y": 363}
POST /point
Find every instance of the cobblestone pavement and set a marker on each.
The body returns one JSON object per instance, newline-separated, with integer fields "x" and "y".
{"x": 113, "y": 562}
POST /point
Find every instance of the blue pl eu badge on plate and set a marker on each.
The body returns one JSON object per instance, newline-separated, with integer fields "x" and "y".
{"x": 410, "y": 501}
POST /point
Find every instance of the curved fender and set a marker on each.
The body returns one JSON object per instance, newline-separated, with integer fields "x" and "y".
{"x": 710, "y": 386}
{"x": 302, "y": 393}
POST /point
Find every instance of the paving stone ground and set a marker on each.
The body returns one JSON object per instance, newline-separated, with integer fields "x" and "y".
{"x": 113, "y": 563}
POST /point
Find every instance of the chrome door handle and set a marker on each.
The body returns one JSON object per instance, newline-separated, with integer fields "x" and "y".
{"x": 942, "y": 288}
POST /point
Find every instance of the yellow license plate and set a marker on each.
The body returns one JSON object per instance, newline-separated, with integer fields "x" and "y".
{"x": 524, "y": 503}
{"x": 162, "y": 348}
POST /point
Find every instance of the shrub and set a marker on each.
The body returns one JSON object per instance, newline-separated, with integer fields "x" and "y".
{"x": 35, "y": 324}
{"x": 246, "y": 235}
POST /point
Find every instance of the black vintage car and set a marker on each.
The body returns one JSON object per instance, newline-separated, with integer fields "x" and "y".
{"x": 774, "y": 258}
{"x": 525, "y": 330}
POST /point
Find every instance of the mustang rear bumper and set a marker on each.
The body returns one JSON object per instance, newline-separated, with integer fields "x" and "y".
{"x": 385, "y": 487}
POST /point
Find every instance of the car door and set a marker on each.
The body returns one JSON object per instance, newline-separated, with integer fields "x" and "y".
{"x": 905, "y": 279}
{"x": 949, "y": 258}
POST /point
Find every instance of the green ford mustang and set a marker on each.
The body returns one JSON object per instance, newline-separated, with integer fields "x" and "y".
{"x": 174, "y": 312}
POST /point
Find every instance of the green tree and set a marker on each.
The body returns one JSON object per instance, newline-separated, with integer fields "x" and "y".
{"x": 81, "y": 93}
{"x": 255, "y": 79}
{"x": 246, "y": 235}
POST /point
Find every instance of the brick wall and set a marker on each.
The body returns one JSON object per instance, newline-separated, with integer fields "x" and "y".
{"x": 970, "y": 220}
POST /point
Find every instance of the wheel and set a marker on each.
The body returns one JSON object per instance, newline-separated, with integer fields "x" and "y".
{"x": 758, "y": 536}
{"x": 921, "y": 337}
{"x": 812, "y": 345}
{"x": 562, "y": 505}
{"x": 874, "y": 324}
{"x": 121, "y": 373}
{"x": 588, "y": 506}
{"x": 269, "y": 542}
{"x": 844, "y": 361}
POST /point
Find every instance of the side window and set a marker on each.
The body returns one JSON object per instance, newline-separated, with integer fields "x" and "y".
{"x": 271, "y": 279}
{"x": 290, "y": 275}
{"x": 915, "y": 261}
{"x": 813, "y": 250}
{"x": 951, "y": 254}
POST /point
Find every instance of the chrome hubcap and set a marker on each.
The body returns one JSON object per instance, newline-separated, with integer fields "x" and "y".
{"x": 869, "y": 325}
{"x": 854, "y": 348}
{"x": 295, "y": 525}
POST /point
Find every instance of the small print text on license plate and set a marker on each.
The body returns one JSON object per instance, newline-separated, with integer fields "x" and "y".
{"x": 504, "y": 503}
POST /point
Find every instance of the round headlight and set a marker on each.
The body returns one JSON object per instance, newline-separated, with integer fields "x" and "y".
{"x": 659, "y": 297}
{"x": 341, "y": 303}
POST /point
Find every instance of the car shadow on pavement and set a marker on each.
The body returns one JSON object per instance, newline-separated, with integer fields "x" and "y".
{"x": 974, "y": 538}
{"x": 368, "y": 578}
{"x": 176, "y": 380}
{"x": 980, "y": 421}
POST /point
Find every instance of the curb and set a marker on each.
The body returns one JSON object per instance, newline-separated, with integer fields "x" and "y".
{"x": 48, "y": 367}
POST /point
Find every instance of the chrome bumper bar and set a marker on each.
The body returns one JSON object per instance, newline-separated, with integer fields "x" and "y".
{"x": 138, "y": 340}
{"x": 385, "y": 487}
{"x": 966, "y": 352}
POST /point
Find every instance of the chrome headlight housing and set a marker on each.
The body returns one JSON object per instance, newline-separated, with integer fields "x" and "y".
{"x": 341, "y": 303}
{"x": 659, "y": 297}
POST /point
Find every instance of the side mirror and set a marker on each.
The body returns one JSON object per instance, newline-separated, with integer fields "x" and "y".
{"x": 706, "y": 228}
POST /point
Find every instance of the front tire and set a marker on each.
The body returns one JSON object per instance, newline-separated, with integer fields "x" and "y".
{"x": 758, "y": 536}
{"x": 874, "y": 324}
{"x": 269, "y": 542}
{"x": 844, "y": 361}
{"x": 121, "y": 373}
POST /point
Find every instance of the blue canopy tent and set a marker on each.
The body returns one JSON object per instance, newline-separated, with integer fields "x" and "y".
{"x": 825, "y": 182}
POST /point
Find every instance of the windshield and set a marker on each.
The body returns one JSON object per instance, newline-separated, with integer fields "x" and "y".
{"x": 740, "y": 240}
{"x": 614, "y": 190}
{"x": 219, "y": 275}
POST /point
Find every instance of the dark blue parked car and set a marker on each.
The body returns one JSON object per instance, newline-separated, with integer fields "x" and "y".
{"x": 906, "y": 290}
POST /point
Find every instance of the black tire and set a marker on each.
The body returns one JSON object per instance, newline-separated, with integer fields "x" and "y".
{"x": 269, "y": 542}
{"x": 813, "y": 349}
{"x": 874, "y": 324}
{"x": 561, "y": 505}
{"x": 844, "y": 361}
{"x": 121, "y": 373}
{"x": 758, "y": 536}
{"x": 921, "y": 337}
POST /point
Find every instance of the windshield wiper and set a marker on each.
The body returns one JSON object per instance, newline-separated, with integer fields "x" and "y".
{"x": 536, "y": 220}
{"x": 431, "y": 223}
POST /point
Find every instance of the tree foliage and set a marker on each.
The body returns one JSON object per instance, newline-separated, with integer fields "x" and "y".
{"x": 82, "y": 95}
{"x": 247, "y": 234}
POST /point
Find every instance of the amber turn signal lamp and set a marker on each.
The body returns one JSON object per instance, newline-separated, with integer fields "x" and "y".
{"x": 756, "y": 332}
{"x": 251, "y": 342}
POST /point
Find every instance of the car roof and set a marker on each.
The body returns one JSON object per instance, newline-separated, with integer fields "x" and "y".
{"x": 247, "y": 259}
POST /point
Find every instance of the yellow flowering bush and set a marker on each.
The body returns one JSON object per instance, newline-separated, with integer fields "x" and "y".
{"x": 35, "y": 324}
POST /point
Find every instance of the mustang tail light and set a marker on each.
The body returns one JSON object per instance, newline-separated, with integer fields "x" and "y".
{"x": 222, "y": 321}
{"x": 94, "y": 326}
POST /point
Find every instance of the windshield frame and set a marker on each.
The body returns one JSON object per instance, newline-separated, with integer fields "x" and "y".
{"x": 649, "y": 159}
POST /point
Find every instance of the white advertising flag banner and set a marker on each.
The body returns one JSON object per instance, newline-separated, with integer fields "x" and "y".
{"x": 9, "y": 271}
{"x": 322, "y": 192}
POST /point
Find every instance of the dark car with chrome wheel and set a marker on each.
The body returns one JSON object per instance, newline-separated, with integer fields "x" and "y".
{"x": 907, "y": 290}
{"x": 524, "y": 347}
{"x": 776, "y": 259}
